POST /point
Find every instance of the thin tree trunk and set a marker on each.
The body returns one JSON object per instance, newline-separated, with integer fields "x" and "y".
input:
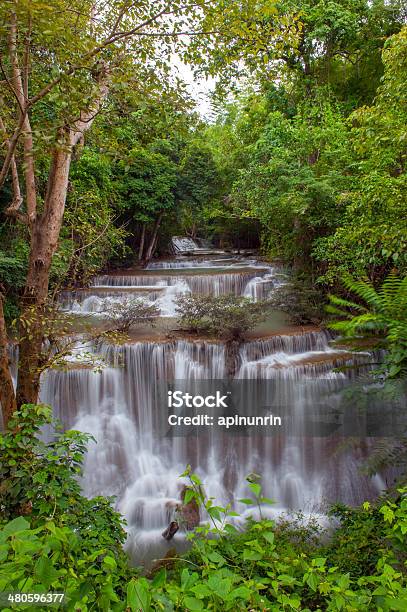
{"x": 153, "y": 241}
{"x": 155, "y": 244}
{"x": 44, "y": 243}
{"x": 45, "y": 230}
{"x": 7, "y": 396}
{"x": 142, "y": 241}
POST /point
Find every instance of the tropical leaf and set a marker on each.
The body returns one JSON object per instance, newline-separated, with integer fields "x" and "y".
{"x": 383, "y": 317}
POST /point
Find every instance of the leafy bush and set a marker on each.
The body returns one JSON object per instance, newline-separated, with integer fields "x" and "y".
{"x": 131, "y": 312}
{"x": 67, "y": 544}
{"x": 53, "y": 558}
{"x": 65, "y": 540}
{"x": 300, "y": 300}
{"x": 225, "y": 316}
{"x": 274, "y": 567}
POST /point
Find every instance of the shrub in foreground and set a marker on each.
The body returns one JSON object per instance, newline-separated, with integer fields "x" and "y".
{"x": 52, "y": 539}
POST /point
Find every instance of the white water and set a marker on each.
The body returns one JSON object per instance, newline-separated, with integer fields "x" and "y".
{"x": 251, "y": 279}
{"x": 132, "y": 462}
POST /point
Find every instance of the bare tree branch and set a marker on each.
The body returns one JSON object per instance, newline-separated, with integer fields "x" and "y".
{"x": 88, "y": 117}
{"x": 17, "y": 198}
{"x": 11, "y": 149}
{"x": 7, "y": 394}
{"x": 26, "y": 64}
{"x": 19, "y": 87}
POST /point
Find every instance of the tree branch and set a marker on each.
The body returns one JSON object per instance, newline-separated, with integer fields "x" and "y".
{"x": 7, "y": 394}
{"x": 29, "y": 169}
{"x": 111, "y": 39}
{"x": 87, "y": 118}
{"x": 26, "y": 64}
{"x": 17, "y": 198}
{"x": 11, "y": 149}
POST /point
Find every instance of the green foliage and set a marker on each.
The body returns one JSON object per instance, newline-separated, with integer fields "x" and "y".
{"x": 53, "y": 539}
{"x": 198, "y": 177}
{"x": 66, "y": 542}
{"x": 197, "y": 184}
{"x": 281, "y": 566}
{"x": 11, "y": 270}
{"x": 372, "y": 235}
{"x": 225, "y": 316}
{"x": 303, "y": 302}
{"x": 130, "y": 312}
{"x": 147, "y": 184}
{"x": 324, "y": 178}
{"x": 291, "y": 181}
{"x": 89, "y": 223}
{"x": 51, "y": 558}
{"x": 382, "y": 318}
{"x": 12, "y": 277}
{"x": 356, "y": 544}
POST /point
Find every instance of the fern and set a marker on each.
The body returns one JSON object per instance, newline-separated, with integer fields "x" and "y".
{"x": 387, "y": 452}
{"x": 381, "y": 317}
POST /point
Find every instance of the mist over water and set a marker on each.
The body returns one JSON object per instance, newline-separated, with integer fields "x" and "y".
{"x": 117, "y": 406}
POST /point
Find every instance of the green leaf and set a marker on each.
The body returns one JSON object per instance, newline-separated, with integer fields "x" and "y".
{"x": 269, "y": 536}
{"x": 255, "y": 487}
{"x": 160, "y": 578}
{"x": 189, "y": 495}
{"x": 191, "y": 603}
{"x": 138, "y": 596}
{"x": 216, "y": 558}
{"x": 267, "y": 500}
{"x": 247, "y": 501}
{"x": 45, "y": 571}
{"x": 312, "y": 581}
{"x": 16, "y": 525}
{"x": 110, "y": 563}
{"x": 252, "y": 555}
{"x": 240, "y": 592}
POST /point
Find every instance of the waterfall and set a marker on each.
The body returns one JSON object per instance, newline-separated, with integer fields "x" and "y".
{"x": 134, "y": 280}
{"x": 203, "y": 284}
{"x": 134, "y": 461}
{"x": 213, "y": 262}
{"x": 302, "y": 342}
{"x": 162, "y": 289}
{"x": 184, "y": 245}
{"x": 88, "y": 301}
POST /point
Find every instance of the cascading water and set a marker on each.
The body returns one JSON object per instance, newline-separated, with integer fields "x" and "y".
{"x": 161, "y": 286}
{"x": 130, "y": 460}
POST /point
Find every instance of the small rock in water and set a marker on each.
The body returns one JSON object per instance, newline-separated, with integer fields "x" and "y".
{"x": 171, "y": 530}
{"x": 188, "y": 516}
{"x": 189, "y": 512}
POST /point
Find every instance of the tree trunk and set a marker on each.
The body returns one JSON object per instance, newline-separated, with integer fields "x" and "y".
{"x": 142, "y": 241}
{"x": 45, "y": 230}
{"x": 44, "y": 243}
{"x": 153, "y": 241}
{"x": 7, "y": 396}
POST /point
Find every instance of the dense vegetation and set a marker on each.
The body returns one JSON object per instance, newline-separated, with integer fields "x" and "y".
{"x": 103, "y": 158}
{"x": 52, "y": 539}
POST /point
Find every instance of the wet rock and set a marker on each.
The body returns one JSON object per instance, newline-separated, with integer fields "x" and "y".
{"x": 171, "y": 530}
{"x": 167, "y": 562}
{"x": 189, "y": 512}
{"x": 187, "y": 516}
